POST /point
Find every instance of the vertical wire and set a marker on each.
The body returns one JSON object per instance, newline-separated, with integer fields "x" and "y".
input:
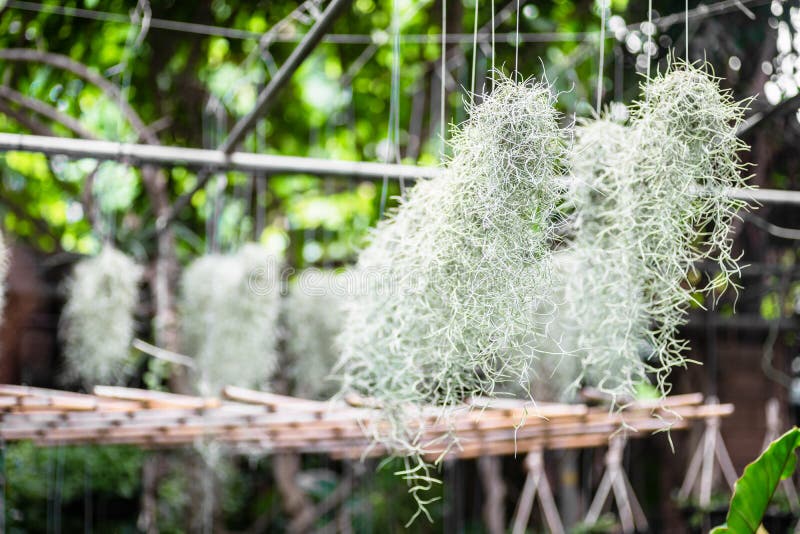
{"x": 686, "y": 29}
{"x": 474, "y": 52}
{"x": 493, "y": 45}
{"x": 602, "y": 55}
{"x": 649, "y": 34}
{"x": 390, "y": 137}
{"x": 516, "y": 45}
{"x": 396, "y": 56}
{"x": 442, "y": 75}
{"x": 619, "y": 73}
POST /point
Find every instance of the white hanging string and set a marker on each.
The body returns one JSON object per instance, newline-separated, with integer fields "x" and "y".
{"x": 516, "y": 44}
{"x": 493, "y": 44}
{"x": 602, "y": 55}
{"x": 392, "y": 137}
{"x": 442, "y": 76}
{"x": 686, "y": 29}
{"x": 649, "y": 34}
{"x": 395, "y": 104}
{"x": 474, "y": 52}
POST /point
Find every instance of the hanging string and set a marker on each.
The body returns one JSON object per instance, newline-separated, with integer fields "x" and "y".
{"x": 686, "y": 29}
{"x": 140, "y": 18}
{"x": 474, "y": 52}
{"x": 442, "y": 124}
{"x": 649, "y": 34}
{"x": 395, "y": 104}
{"x": 602, "y": 55}
{"x": 393, "y": 127}
{"x": 516, "y": 45}
{"x": 493, "y": 44}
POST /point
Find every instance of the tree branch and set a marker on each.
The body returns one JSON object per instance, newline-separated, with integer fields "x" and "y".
{"x": 40, "y": 108}
{"x": 82, "y": 71}
{"x": 35, "y": 126}
{"x": 757, "y": 119}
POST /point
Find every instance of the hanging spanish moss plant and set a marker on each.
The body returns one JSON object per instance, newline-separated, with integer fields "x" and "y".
{"x": 314, "y": 315}
{"x": 604, "y": 320}
{"x": 229, "y": 310}
{"x": 687, "y": 161}
{"x": 651, "y": 200}
{"x": 455, "y": 269}
{"x": 97, "y": 323}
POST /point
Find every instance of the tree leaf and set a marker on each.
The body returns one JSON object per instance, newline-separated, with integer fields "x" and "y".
{"x": 758, "y": 483}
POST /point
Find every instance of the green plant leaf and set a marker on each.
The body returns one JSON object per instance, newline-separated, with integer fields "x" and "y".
{"x": 754, "y": 490}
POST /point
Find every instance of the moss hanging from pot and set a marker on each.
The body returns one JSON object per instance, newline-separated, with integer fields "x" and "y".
{"x": 229, "y": 310}
{"x": 315, "y": 316}
{"x": 453, "y": 271}
{"x": 97, "y": 323}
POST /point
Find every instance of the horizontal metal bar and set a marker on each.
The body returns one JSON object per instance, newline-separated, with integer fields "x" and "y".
{"x": 214, "y": 160}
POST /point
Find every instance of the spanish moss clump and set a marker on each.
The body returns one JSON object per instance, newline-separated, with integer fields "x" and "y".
{"x": 314, "y": 314}
{"x": 229, "y": 310}
{"x": 556, "y": 368}
{"x": 454, "y": 271}
{"x": 687, "y": 160}
{"x": 606, "y": 326}
{"x": 97, "y": 323}
{"x": 651, "y": 201}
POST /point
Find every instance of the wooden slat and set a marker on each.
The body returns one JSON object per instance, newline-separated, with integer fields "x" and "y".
{"x": 155, "y": 399}
{"x": 275, "y": 401}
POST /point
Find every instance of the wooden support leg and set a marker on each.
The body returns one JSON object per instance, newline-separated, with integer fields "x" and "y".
{"x": 725, "y": 463}
{"x": 638, "y": 514}
{"x": 600, "y": 498}
{"x": 536, "y": 481}
{"x": 525, "y": 505}
{"x": 615, "y": 482}
{"x": 707, "y": 473}
{"x": 494, "y": 491}
{"x": 548, "y": 505}
{"x": 624, "y": 508}
{"x": 693, "y": 471}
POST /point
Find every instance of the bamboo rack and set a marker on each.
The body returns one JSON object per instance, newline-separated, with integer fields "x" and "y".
{"x": 255, "y": 420}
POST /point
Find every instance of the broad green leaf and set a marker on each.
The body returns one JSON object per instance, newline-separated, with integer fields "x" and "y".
{"x": 758, "y": 483}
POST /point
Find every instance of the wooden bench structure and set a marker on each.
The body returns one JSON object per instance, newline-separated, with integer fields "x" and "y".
{"x": 277, "y": 423}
